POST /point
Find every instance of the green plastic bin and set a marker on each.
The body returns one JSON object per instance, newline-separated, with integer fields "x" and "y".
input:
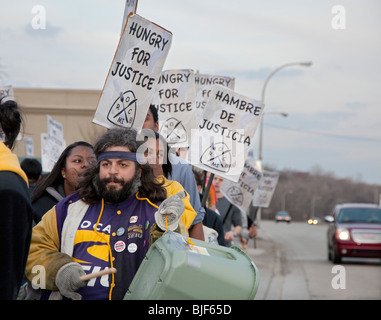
{"x": 173, "y": 269}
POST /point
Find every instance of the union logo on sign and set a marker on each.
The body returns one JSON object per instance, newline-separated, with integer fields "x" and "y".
{"x": 173, "y": 131}
{"x": 235, "y": 194}
{"x": 217, "y": 156}
{"x": 123, "y": 110}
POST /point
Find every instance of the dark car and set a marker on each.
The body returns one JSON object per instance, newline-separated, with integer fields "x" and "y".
{"x": 354, "y": 231}
{"x": 283, "y": 216}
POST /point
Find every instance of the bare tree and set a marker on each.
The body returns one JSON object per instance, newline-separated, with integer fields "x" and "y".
{"x": 317, "y": 191}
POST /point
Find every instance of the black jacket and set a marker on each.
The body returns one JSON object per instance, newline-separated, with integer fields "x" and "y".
{"x": 213, "y": 220}
{"x": 44, "y": 203}
{"x": 15, "y": 234}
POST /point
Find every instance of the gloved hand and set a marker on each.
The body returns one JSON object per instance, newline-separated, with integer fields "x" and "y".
{"x": 68, "y": 280}
{"x": 173, "y": 207}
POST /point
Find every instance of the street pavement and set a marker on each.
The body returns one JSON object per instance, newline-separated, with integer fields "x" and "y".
{"x": 262, "y": 251}
{"x": 293, "y": 265}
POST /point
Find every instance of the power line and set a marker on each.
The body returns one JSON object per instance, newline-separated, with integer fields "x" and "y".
{"x": 337, "y": 136}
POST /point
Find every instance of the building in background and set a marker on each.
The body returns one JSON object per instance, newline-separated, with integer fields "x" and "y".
{"x": 74, "y": 109}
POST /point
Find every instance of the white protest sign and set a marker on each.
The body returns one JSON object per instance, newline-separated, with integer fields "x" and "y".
{"x": 29, "y": 147}
{"x": 55, "y": 130}
{"x": 132, "y": 78}
{"x": 175, "y": 102}
{"x": 265, "y": 190}
{"x": 224, "y": 135}
{"x": 204, "y": 85}
{"x": 44, "y": 152}
{"x": 241, "y": 193}
{"x": 52, "y": 145}
{"x": 129, "y": 7}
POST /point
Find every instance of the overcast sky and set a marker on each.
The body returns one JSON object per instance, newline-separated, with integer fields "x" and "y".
{"x": 333, "y": 107}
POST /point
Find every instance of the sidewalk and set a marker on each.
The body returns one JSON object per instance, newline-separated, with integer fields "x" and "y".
{"x": 264, "y": 258}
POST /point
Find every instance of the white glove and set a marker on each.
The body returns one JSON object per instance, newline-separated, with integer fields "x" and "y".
{"x": 68, "y": 280}
{"x": 170, "y": 210}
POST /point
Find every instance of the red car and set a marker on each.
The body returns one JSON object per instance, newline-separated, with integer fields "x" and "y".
{"x": 354, "y": 231}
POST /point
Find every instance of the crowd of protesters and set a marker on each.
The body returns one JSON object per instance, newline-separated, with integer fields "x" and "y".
{"x": 99, "y": 208}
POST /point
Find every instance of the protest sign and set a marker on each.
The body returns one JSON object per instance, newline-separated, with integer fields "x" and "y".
{"x": 265, "y": 190}
{"x": 29, "y": 147}
{"x": 204, "y": 85}
{"x": 45, "y": 159}
{"x": 225, "y": 133}
{"x": 175, "y": 102}
{"x": 52, "y": 145}
{"x": 241, "y": 193}
{"x": 133, "y": 75}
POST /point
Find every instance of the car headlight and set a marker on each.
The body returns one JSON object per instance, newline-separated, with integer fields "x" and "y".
{"x": 342, "y": 234}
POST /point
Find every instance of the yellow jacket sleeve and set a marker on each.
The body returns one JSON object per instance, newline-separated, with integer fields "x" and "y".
{"x": 44, "y": 251}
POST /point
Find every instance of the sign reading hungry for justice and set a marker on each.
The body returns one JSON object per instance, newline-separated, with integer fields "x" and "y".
{"x": 175, "y": 103}
{"x": 133, "y": 76}
{"x": 225, "y": 133}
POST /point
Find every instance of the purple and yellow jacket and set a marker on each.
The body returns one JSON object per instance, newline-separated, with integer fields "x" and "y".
{"x": 98, "y": 237}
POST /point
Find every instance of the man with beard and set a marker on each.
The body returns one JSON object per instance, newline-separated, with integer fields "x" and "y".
{"x": 109, "y": 223}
